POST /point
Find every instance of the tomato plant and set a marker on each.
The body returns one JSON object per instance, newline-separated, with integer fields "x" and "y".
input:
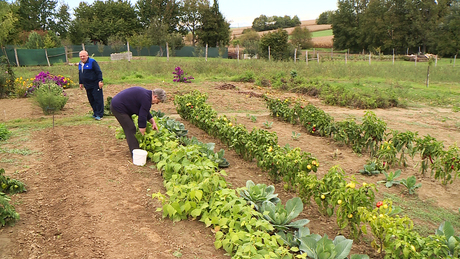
{"x": 448, "y": 166}
{"x": 404, "y": 143}
{"x": 429, "y": 149}
{"x": 373, "y": 130}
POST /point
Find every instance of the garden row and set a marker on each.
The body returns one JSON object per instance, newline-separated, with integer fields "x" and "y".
{"x": 386, "y": 149}
{"x": 253, "y": 224}
{"x": 353, "y": 206}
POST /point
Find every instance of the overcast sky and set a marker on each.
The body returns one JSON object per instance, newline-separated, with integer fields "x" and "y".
{"x": 241, "y": 13}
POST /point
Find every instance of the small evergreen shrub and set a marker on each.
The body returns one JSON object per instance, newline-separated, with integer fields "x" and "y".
{"x": 50, "y": 97}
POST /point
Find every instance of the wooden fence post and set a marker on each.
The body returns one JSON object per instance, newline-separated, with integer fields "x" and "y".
{"x": 370, "y": 57}
{"x": 206, "y": 58}
{"x": 436, "y": 61}
{"x": 47, "y": 59}
{"x": 268, "y": 53}
{"x": 16, "y": 56}
{"x": 238, "y": 52}
{"x": 346, "y": 54}
{"x": 295, "y": 55}
{"x": 455, "y": 58}
{"x": 306, "y": 57}
{"x": 393, "y": 56}
{"x": 83, "y": 46}
{"x": 317, "y": 57}
{"x": 66, "y": 59}
{"x": 167, "y": 51}
{"x": 6, "y": 55}
{"x": 127, "y": 46}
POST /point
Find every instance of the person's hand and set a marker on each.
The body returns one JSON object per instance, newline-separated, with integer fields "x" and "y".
{"x": 81, "y": 86}
{"x": 101, "y": 84}
{"x": 142, "y": 130}
{"x": 154, "y": 125}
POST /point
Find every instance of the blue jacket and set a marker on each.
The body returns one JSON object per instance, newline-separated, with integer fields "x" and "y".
{"x": 90, "y": 74}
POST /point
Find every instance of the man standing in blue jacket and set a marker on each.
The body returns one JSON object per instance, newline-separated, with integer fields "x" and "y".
{"x": 90, "y": 77}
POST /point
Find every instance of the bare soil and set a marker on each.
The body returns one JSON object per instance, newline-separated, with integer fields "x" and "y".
{"x": 85, "y": 198}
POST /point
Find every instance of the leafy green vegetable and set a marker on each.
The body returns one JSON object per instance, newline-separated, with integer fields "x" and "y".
{"x": 370, "y": 169}
{"x": 282, "y": 217}
{"x": 410, "y": 184}
{"x": 318, "y": 247}
{"x": 453, "y": 242}
{"x": 257, "y": 194}
{"x": 391, "y": 178}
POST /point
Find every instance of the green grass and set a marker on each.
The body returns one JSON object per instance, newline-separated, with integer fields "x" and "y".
{"x": 322, "y": 33}
{"x": 23, "y": 151}
{"x": 407, "y": 79}
{"x": 428, "y": 215}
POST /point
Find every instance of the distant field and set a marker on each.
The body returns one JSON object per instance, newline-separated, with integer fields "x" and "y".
{"x": 316, "y": 34}
{"x": 321, "y": 34}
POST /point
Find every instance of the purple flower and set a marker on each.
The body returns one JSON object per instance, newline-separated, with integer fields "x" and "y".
{"x": 179, "y": 76}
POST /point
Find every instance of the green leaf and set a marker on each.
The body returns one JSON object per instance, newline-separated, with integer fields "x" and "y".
{"x": 195, "y": 213}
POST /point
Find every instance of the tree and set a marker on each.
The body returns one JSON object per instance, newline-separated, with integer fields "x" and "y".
{"x": 62, "y": 21}
{"x": 278, "y": 42}
{"x": 158, "y": 34}
{"x": 260, "y": 23}
{"x": 116, "y": 42}
{"x": 7, "y": 21}
{"x": 447, "y": 41}
{"x": 138, "y": 41}
{"x": 214, "y": 29}
{"x": 166, "y": 12}
{"x": 250, "y": 42}
{"x": 192, "y": 11}
{"x": 301, "y": 38}
{"x": 37, "y": 14}
{"x": 345, "y": 26}
{"x": 325, "y": 18}
{"x": 101, "y": 20}
{"x": 35, "y": 41}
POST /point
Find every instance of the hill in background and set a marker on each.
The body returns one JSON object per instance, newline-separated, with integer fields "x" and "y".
{"x": 318, "y": 42}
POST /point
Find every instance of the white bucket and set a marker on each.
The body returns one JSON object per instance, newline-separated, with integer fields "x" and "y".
{"x": 139, "y": 157}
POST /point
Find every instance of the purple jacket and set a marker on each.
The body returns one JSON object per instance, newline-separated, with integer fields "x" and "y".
{"x": 134, "y": 100}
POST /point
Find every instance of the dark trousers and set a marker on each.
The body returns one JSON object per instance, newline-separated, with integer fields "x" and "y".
{"x": 129, "y": 128}
{"x": 96, "y": 100}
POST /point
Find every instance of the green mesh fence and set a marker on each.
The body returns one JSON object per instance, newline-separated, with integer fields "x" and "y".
{"x": 41, "y": 57}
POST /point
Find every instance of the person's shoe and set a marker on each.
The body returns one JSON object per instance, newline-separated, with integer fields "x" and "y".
{"x": 97, "y": 118}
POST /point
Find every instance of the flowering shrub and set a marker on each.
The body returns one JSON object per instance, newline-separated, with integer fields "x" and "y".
{"x": 21, "y": 86}
{"x": 180, "y": 76}
{"x": 47, "y": 77}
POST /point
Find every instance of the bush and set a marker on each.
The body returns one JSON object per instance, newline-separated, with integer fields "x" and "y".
{"x": 6, "y": 78}
{"x": 50, "y": 97}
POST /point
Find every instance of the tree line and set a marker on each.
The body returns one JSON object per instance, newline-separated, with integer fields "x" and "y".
{"x": 48, "y": 23}
{"x": 433, "y": 26}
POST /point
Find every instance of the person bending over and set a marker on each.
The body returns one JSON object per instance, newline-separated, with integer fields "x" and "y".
{"x": 135, "y": 100}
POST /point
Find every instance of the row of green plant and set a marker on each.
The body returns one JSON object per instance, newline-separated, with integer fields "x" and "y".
{"x": 281, "y": 163}
{"x": 8, "y": 214}
{"x": 196, "y": 188}
{"x": 290, "y": 165}
{"x": 387, "y": 148}
{"x": 334, "y": 195}
{"x": 356, "y": 95}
